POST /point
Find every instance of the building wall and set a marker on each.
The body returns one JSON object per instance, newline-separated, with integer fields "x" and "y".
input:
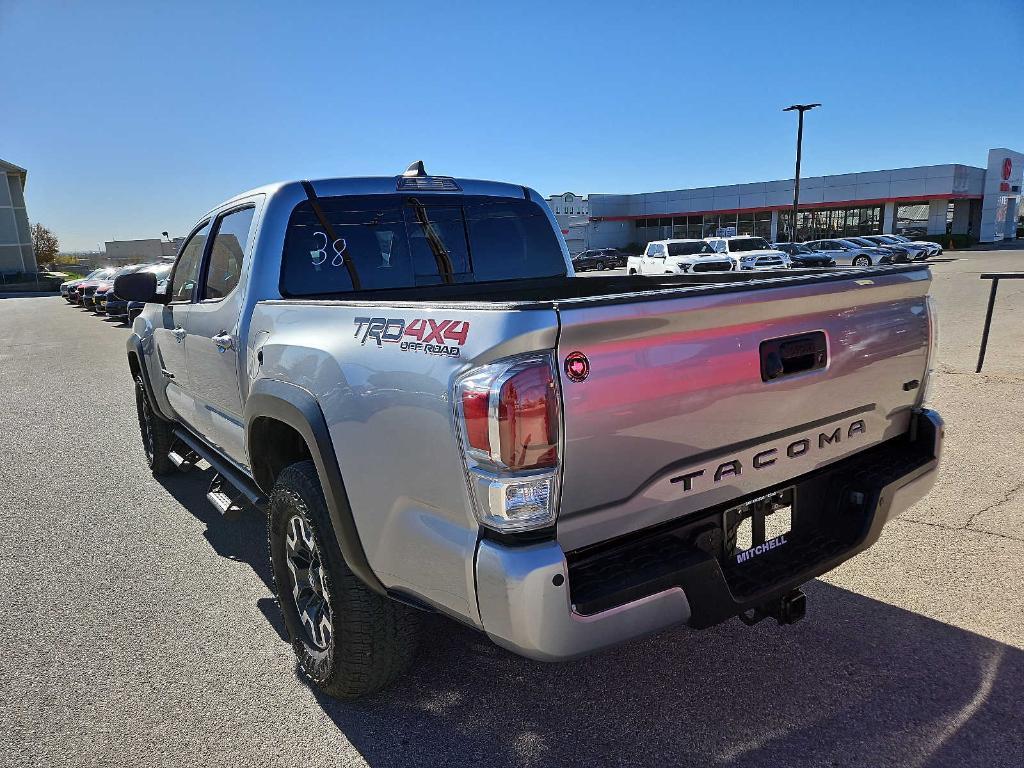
{"x": 137, "y": 251}
{"x": 610, "y": 234}
{"x": 923, "y": 181}
{"x": 15, "y": 239}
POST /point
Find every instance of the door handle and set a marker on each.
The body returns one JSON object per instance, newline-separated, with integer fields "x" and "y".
{"x": 179, "y": 333}
{"x": 224, "y": 341}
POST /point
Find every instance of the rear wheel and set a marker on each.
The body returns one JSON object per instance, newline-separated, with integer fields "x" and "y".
{"x": 632, "y": 271}
{"x": 349, "y": 640}
{"x": 861, "y": 261}
{"x": 157, "y": 434}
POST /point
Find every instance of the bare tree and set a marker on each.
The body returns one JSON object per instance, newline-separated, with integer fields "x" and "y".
{"x": 44, "y": 244}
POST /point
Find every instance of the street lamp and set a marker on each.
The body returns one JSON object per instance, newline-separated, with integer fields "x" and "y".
{"x": 801, "y": 108}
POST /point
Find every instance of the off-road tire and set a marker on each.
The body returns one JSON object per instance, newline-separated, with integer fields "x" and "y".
{"x": 373, "y": 639}
{"x": 157, "y": 442}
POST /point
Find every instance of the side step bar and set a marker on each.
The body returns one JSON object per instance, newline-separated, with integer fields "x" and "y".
{"x": 224, "y": 503}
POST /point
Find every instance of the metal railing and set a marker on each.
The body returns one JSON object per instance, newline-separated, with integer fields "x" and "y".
{"x": 995, "y": 277}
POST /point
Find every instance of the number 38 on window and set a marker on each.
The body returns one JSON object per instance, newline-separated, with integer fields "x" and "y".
{"x": 320, "y": 255}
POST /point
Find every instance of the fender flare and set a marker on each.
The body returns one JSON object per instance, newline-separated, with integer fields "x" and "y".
{"x": 301, "y": 411}
{"x": 135, "y": 351}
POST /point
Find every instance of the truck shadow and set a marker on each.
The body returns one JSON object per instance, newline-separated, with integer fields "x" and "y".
{"x": 859, "y": 682}
{"x": 243, "y": 539}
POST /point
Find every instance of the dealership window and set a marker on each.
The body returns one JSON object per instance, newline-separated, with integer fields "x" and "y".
{"x": 822, "y": 223}
{"x": 912, "y": 219}
{"x": 745, "y": 224}
{"x": 763, "y": 224}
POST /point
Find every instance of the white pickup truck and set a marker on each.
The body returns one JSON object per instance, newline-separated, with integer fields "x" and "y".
{"x": 677, "y": 257}
{"x": 437, "y": 415}
{"x": 751, "y": 253}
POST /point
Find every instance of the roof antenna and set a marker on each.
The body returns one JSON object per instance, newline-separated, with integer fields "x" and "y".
{"x": 416, "y": 169}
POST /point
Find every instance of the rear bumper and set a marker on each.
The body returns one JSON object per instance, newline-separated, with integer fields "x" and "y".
{"x": 546, "y": 604}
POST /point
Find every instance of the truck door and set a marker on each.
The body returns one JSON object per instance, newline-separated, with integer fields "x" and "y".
{"x": 653, "y": 261}
{"x": 212, "y": 345}
{"x": 169, "y": 336}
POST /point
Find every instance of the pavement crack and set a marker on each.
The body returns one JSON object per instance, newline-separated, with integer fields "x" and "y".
{"x": 1007, "y": 498}
{"x": 961, "y": 528}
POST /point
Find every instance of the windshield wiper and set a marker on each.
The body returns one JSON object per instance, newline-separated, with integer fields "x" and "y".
{"x": 329, "y": 231}
{"x": 441, "y": 257}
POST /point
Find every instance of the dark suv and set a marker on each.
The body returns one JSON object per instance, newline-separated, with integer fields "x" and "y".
{"x": 603, "y": 258}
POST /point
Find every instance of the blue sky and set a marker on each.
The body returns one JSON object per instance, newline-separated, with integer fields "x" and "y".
{"x": 134, "y": 119}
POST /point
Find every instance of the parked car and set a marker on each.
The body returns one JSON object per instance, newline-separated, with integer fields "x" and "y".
{"x": 848, "y": 252}
{"x": 915, "y": 251}
{"x": 899, "y": 255}
{"x": 129, "y": 310}
{"x": 588, "y": 260}
{"x": 105, "y": 290}
{"x": 563, "y": 464}
{"x": 802, "y": 256}
{"x": 673, "y": 257}
{"x": 603, "y": 258}
{"x": 749, "y": 252}
{"x": 70, "y": 289}
{"x": 616, "y": 258}
{"x": 87, "y": 287}
{"x": 934, "y": 249}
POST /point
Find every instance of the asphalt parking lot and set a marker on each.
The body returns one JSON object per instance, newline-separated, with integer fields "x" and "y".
{"x": 139, "y": 629}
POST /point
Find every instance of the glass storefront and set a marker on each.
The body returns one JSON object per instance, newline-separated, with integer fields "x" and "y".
{"x": 812, "y": 224}
{"x": 912, "y": 219}
{"x": 695, "y": 227}
{"x": 822, "y": 223}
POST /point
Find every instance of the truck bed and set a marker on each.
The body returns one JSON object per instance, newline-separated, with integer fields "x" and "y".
{"x": 546, "y": 291}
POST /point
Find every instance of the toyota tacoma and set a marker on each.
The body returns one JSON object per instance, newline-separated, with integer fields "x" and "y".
{"x": 437, "y": 415}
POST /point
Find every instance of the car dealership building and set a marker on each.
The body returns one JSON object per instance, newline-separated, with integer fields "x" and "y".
{"x": 984, "y": 203}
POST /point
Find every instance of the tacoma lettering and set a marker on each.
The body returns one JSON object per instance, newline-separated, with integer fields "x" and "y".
{"x": 770, "y": 456}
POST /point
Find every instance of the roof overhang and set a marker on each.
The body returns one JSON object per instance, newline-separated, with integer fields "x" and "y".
{"x": 15, "y": 169}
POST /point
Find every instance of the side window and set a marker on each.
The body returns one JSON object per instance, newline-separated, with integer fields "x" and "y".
{"x": 186, "y": 271}
{"x": 226, "y": 254}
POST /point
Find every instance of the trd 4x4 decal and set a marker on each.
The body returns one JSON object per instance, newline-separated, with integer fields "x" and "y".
{"x": 431, "y": 337}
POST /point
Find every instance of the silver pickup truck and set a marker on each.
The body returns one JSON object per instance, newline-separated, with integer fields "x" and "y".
{"x": 439, "y": 416}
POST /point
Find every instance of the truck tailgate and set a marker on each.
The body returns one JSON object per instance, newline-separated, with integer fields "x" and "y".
{"x": 677, "y": 413}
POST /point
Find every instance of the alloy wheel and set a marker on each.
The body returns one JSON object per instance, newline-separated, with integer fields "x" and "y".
{"x": 309, "y": 591}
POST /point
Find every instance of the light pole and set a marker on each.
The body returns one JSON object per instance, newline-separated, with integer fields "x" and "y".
{"x": 801, "y": 108}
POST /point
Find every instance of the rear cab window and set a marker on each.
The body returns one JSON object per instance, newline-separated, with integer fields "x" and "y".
{"x": 406, "y": 241}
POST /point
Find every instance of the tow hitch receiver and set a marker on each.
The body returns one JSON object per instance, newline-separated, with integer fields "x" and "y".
{"x": 788, "y": 609}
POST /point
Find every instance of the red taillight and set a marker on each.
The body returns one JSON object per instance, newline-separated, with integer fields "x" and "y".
{"x": 475, "y": 406}
{"x": 523, "y": 432}
{"x": 528, "y": 419}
